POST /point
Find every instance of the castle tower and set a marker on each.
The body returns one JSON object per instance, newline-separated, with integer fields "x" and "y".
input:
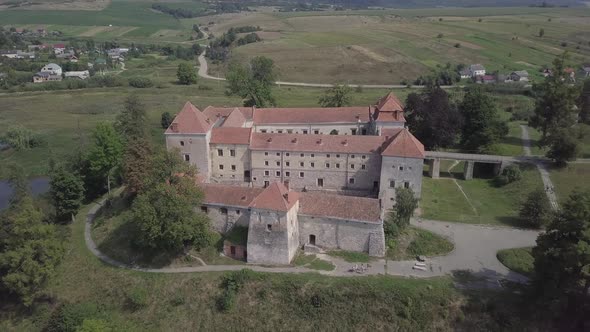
{"x": 401, "y": 166}
{"x": 190, "y": 132}
{"x": 389, "y": 114}
{"x": 273, "y": 233}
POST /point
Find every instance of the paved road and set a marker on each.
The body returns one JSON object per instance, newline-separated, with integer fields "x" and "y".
{"x": 204, "y": 73}
{"x": 475, "y": 250}
{"x": 541, "y": 166}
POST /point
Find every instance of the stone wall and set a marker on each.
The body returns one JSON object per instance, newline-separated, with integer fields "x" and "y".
{"x": 228, "y": 168}
{"x": 332, "y": 233}
{"x": 273, "y": 236}
{"x": 399, "y": 172}
{"x": 195, "y": 147}
{"x": 223, "y": 218}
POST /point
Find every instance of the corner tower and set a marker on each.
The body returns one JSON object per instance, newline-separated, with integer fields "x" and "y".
{"x": 190, "y": 132}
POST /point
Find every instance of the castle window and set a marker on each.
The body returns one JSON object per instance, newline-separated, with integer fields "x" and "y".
{"x": 401, "y": 168}
{"x": 351, "y": 166}
{"x": 364, "y": 131}
{"x": 406, "y": 184}
{"x": 254, "y": 178}
{"x": 287, "y": 163}
{"x": 312, "y": 165}
{"x": 238, "y": 212}
{"x": 266, "y": 184}
{"x": 327, "y": 165}
{"x": 233, "y": 167}
{"x": 266, "y": 153}
{"x": 204, "y": 209}
{"x": 302, "y": 155}
{"x": 337, "y": 165}
{"x": 351, "y": 180}
{"x": 278, "y": 173}
{"x": 312, "y": 155}
{"x": 304, "y": 131}
{"x": 287, "y": 154}
{"x": 363, "y": 157}
{"x": 327, "y": 156}
{"x": 263, "y": 130}
{"x": 391, "y": 184}
{"x": 266, "y": 173}
{"x": 220, "y": 152}
{"x": 268, "y": 227}
{"x": 223, "y": 210}
{"x": 320, "y": 182}
{"x": 287, "y": 174}
{"x": 280, "y": 131}
{"x": 266, "y": 163}
{"x": 301, "y": 174}
{"x": 316, "y": 132}
{"x": 232, "y": 153}
{"x": 337, "y": 156}
{"x": 278, "y": 163}
{"x": 181, "y": 143}
{"x": 353, "y": 131}
{"x": 302, "y": 164}
{"x": 363, "y": 167}
{"x": 221, "y": 167}
{"x": 290, "y": 131}
{"x": 352, "y": 156}
{"x": 278, "y": 154}
{"x": 187, "y": 157}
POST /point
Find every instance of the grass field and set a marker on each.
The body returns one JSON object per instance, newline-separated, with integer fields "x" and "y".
{"x": 389, "y": 46}
{"x": 482, "y": 203}
{"x": 415, "y": 242}
{"x": 518, "y": 259}
{"x": 570, "y": 178}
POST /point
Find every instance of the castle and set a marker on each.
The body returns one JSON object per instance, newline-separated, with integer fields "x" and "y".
{"x": 317, "y": 177}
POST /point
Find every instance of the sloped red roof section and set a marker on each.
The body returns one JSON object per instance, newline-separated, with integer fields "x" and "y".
{"x": 311, "y": 115}
{"x": 316, "y": 143}
{"x": 234, "y": 119}
{"x": 339, "y": 206}
{"x": 229, "y": 195}
{"x": 213, "y": 112}
{"x": 230, "y": 135}
{"x": 406, "y": 145}
{"x": 190, "y": 121}
{"x": 275, "y": 197}
{"x": 390, "y": 103}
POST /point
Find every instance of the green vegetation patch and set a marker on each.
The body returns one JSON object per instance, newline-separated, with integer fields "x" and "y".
{"x": 237, "y": 235}
{"x": 351, "y": 256}
{"x": 414, "y": 242}
{"x": 312, "y": 262}
{"x": 569, "y": 178}
{"x": 518, "y": 260}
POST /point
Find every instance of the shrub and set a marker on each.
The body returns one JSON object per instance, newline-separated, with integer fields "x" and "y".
{"x": 137, "y": 298}
{"x": 535, "y": 210}
{"x": 510, "y": 174}
{"x": 21, "y": 138}
{"x": 69, "y": 317}
{"x": 231, "y": 284}
{"x": 141, "y": 82}
{"x": 166, "y": 120}
{"x": 457, "y": 45}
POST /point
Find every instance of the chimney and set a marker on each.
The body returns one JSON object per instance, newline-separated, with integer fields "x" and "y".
{"x": 345, "y": 142}
{"x": 286, "y": 183}
{"x": 269, "y": 139}
{"x": 294, "y": 140}
{"x": 174, "y": 127}
{"x": 319, "y": 141}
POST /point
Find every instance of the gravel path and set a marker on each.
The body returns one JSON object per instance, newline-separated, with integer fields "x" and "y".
{"x": 475, "y": 250}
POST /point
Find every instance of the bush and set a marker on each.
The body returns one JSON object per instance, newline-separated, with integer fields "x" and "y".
{"x": 137, "y": 298}
{"x": 69, "y": 317}
{"x": 141, "y": 82}
{"x": 21, "y": 138}
{"x": 457, "y": 45}
{"x": 231, "y": 284}
{"x": 510, "y": 174}
{"x": 535, "y": 210}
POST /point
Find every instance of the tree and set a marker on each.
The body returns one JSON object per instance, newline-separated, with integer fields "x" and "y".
{"x": 536, "y": 209}
{"x": 166, "y": 120}
{"x": 66, "y": 191}
{"x": 336, "y": 96}
{"x": 510, "y": 174}
{"x": 186, "y": 74}
{"x": 106, "y": 153}
{"x": 541, "y": 32}
{"x": 164, "y": 214}
{"x": 253, "y": 83}
{"x": 399, "y": 217}
{"x": 564, "y": 147}
{"x": 432, "y": 118}
{"x": 562, "y": 259}
{"x": 482, "y": 126}
{"x": 132, "y": 122}
{"x": 555, "y": 103}
{"x": 137, "y": 164}
{"x": 29, "y": 249}
{"x": 584, "y": 102}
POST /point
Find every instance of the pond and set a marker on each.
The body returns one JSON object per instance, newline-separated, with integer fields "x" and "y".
{"x": 39, "y": 185}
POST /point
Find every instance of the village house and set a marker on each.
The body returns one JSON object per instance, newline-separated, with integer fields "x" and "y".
{"x": 485, "y": 79}
{"x": 50, "y": 72}
{"x": 465, "y": 73}
{"x": 477, "y": 70}
{"x": 59, "y": 48}
{"x": 84, "y": 74}
{"x": 294, "y": 172}
{"x": 10, "y": 54}
{"x": 519, "y": 76}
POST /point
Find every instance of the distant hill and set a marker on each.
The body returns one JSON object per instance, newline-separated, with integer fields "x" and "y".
{"x": 450, "y": 3}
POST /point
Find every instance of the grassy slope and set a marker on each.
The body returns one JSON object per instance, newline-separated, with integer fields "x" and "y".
{"x": 570, "y": 178}
{"x": 418, "y": 242}
{"x": 518, "y": 259}
{"x": 442, "y": 199}
{"x": 267, "y": 302}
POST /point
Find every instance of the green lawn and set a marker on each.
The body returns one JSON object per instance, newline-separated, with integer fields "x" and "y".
{"x": 351, "y": 256}
{"x": 414, "y": 242}
{"x": 518, "y": 260}
{"x": 569, "y": 178}
{"x": 485, "y": 203}
{"x": 312, "y": 262}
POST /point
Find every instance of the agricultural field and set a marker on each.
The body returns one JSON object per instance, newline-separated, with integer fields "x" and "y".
{"x": 391, "y": 46}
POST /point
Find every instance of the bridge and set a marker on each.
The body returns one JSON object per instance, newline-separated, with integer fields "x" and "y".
{"x": 434, "y": 158}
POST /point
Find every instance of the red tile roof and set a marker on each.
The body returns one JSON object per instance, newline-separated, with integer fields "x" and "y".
{"x": 311, "y": 115}
{"x": 230, "y": 135}
{"x": 390, "y": 103}
{"x": 390, "y": 117}
{"x": 275, "y": 197}
{"x": 59, "y": 46}
{"x": 339, "y": 206}
{"x": 214, "y": 112}
{"x": 316, "y": 143}
{"x": 229, "y": 195}
{"x": 190, "y": 121}
{"x": 234, "y": 119}
{"x": 404, "y": 144}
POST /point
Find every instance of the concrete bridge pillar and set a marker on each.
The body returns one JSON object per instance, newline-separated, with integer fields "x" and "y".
{"x": 498, "y": 169}
{"x": 434, "y": 170}
{"x": 468, "y": 170}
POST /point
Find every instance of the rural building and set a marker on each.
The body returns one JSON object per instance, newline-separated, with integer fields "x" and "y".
{"x": 279, "y": 172}
{"x": 465, "y": 73}
{"x": 586, "y": 70}
{"x": 50, "y": 72}
{"x": 59, "y": 48}
{"x": 519, "y": 76}
{"x": 9, "y": 54}
{"x": 78, "y": 74}
{"x": 477, "y": 70}
{"x": 485, "y": 79}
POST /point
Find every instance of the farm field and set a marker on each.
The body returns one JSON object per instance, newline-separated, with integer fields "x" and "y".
{"x": 391, "y": 46}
